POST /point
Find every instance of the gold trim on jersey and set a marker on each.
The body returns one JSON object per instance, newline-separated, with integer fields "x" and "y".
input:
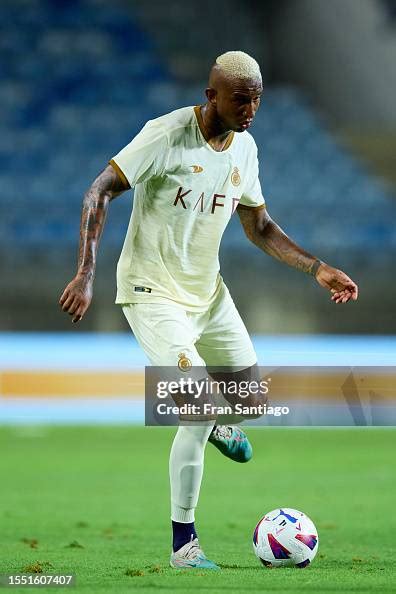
{"x": 119, "y": 172}
{"x": 198, "y": 114}
{"x": 251, "y": 207}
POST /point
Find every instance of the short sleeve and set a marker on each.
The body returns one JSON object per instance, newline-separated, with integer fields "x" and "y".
{"x": 252, "y": 196}
{"x": 145, "y": 156}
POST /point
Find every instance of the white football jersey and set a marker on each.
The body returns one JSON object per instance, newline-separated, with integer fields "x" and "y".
{"x": 185, "y": 194}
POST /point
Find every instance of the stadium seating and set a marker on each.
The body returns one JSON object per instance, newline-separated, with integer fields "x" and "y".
{"x": 79, "y": 79}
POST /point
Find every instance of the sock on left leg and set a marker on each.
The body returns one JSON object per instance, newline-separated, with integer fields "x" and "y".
{"x": 182, "y": 533}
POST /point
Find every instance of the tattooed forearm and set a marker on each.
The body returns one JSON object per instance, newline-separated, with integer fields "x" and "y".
{"x": 268, "y": 236}
{"x": 93, "y": 218}
{"x": 278, "y": 245}
{"x": 106, "y": 186}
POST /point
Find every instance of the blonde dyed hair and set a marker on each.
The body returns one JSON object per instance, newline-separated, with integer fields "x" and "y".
{"x": 239, "y": 65}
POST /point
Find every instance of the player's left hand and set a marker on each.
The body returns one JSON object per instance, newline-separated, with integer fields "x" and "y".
{"x": 341, "y": 286}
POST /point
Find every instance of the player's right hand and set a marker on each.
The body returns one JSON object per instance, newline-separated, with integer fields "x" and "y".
{"x": 77, "y": 297}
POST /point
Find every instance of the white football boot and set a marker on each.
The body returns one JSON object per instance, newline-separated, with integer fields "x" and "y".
{"x": 191, "y": 556}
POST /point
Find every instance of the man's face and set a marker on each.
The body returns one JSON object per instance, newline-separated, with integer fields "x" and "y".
{"x": 237, "y": 102}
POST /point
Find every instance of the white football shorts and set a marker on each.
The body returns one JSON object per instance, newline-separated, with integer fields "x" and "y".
{"x": 170, "y": 335}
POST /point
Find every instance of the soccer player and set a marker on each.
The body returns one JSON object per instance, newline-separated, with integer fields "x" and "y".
{"x": 191, "y": 170}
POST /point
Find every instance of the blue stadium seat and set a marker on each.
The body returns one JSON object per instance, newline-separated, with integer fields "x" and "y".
{"x": 79, "y": 78}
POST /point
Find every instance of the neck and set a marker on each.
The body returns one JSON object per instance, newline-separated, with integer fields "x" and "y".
{"x": 215, "y": 132}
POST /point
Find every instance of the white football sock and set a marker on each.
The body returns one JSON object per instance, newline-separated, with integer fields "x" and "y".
{"x": 186, "y": 468}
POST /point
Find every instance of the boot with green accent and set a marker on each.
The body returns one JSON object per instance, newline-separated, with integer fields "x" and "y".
{"x": 232, "y": 442}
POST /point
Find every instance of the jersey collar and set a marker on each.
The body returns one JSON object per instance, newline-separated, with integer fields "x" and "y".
{"x": 198, "y": 115}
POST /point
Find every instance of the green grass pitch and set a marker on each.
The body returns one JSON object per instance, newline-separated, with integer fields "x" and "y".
{"x": 94, "y": 502}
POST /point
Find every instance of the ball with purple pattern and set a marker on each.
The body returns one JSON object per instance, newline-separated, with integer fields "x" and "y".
{"x": 285, "y": 537}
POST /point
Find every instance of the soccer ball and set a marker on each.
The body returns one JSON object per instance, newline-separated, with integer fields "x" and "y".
{"x": 285, "y": 538}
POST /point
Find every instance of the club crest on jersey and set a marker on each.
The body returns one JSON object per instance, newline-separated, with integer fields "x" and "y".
{"x": 196, "y": 168}
{"x": 184, "y": 363}
{"x": 235, "y": 177}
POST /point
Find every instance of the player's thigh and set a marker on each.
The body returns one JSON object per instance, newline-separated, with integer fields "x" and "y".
{"x": 225, "y": 342}
{"x": 167, "y": 336}
{"x": 164, "y": 332}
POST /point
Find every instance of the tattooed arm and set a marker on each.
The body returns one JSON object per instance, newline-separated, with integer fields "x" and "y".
{"x": 77, "y": 296}
{"x": 268, "y": 236}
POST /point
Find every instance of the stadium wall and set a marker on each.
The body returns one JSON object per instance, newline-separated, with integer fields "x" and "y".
{"x": 97, "y": 378}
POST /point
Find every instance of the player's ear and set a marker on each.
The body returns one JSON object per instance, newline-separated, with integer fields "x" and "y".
{"x": 211, "y": 95}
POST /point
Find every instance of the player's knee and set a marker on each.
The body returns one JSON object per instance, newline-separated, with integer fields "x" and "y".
{"x": 253, "y": 406}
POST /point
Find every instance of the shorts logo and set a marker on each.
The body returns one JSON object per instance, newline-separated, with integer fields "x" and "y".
{"x": 184, "y": 363}
{"x": 196, "y": 168}
{"x": 142, "y": 289}
{"x": 235, "y": 177}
